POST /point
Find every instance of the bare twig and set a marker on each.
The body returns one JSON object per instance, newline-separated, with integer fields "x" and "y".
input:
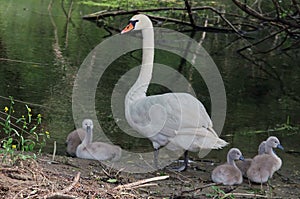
{"x": 61, "y": 194}
{"x": 260, "y": 41}
{"x": 209, "y": 29}
{"x": 251, "y": 195}
{"x": 189, "y": 11}
{"x": 67, "y": 25}
{"x": 140, "y": 182}
{"x": 54, "y": 151}
{"x": 201, "y": 187}
{"x": 296, "y": 4}
{"x": 23, "y": 62}
{"x": 277, "y": 46}
{"x": 101, "y": 15}
{"x": 67, "y": 189}
{"x": 276, "y": 20}
{"x": 23, "y": 102}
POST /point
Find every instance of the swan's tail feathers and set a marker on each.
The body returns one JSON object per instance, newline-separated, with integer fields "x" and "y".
{"x": 213, "y": 131}
{"x": 220, "y": 143}
{"x": 197, "y": 139}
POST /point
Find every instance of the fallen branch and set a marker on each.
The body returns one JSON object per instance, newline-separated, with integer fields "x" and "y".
{"x": 140, "y": 182}
{"x": 61, "y": 196}
{"x": 252, "y": 195}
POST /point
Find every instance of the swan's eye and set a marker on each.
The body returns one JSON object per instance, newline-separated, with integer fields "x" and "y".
{"x": 133, "y": 22}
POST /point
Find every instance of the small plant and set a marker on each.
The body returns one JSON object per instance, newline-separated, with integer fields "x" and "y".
{"x": 21, "y": 136}
{"x": 219, "y": 193}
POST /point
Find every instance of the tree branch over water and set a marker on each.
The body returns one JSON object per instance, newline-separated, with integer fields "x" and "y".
{"x": 282, "y": 20}
{"x": 104, "y": 14}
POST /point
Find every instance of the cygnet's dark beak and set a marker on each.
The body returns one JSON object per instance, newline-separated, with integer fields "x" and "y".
{"x": 279, "y": 146}
{"x": 88, "y": 129}
{"x": 242, "y": 158}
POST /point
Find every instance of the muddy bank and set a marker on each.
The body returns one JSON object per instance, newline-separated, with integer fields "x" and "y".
{"x": 75, "y": 178}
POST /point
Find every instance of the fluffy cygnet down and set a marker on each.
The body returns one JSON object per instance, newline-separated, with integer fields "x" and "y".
{"x": 96, "y": 150}
{"x": 228, "y": 173}
{"x": 263, "y": 166}
{"x": 244, "y": 165}
{"x": 73, "y": 140}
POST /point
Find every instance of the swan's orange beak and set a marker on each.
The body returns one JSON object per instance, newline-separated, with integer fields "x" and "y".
{"x": 128, "y": 28}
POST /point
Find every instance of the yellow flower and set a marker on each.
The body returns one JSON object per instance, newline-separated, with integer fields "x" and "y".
{"x": 13, "y": 146}
{"x": 29, "y": 109}
{"x": 47, "y": 133}
{"x": 23, "y": 116}
{"x": 6, "y": 109}
{"x": 39, "y": 115}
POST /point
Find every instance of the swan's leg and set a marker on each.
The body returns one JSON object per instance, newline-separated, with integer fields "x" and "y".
{"x": 185, "y": 160}
{"x": 185, "y": 163}
{"x": 156, "y": 151}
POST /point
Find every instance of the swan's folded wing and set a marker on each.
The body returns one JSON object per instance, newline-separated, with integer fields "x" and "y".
{"x": 197, "y": 139}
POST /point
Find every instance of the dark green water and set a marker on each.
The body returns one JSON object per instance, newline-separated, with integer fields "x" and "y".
{"x": 41, "y": 51}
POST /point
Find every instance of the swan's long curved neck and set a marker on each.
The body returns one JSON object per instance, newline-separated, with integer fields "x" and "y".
{"x": 269, "y": 150}
{"x": 88, "y": 137}
{"x": 139, "y": 89}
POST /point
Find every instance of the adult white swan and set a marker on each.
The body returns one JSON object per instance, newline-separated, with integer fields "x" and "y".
{"x": 178, "y": 121}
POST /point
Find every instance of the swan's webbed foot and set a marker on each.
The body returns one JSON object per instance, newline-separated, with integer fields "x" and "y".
{"x": 185, "y": 163}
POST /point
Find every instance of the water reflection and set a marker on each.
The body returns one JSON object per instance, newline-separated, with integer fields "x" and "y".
{"x": 38, "y": 66}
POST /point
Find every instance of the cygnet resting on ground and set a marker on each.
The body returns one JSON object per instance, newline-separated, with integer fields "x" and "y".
{"x": 96, "y": 150}
{"x": 263, "y": 166}
{"x": 244, "y": 165}
{"x": 73, "y": 140}
{"x": 228, "y": 173}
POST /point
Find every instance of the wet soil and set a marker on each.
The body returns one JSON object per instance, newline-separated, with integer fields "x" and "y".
{"x": 68, "y": 177}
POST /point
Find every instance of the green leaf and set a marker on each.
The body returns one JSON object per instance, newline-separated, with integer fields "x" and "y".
{"x": 33, "y": 128}
{"x": 31, "y": 146}
{"x": 14, "y": 130}
{"x": 9, "y": 141}
{"x": 112, "y": 180}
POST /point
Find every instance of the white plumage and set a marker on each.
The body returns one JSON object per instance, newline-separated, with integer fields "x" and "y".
{"x": 175, "y": 120}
